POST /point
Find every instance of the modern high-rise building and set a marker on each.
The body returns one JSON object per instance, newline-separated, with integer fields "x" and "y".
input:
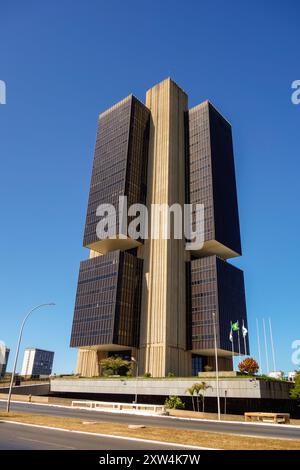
{"x": 150, "y": 297}
{"x": 37, "y": 363}
{"x": 4, "y": 354}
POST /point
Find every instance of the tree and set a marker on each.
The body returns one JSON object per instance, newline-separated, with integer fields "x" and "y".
{"x": 248, "y": 366}
{"x": 191, "y": 392}
{"x": 295, "y": 391}
{"x": 115, "y": 366}
{"x": 200, "y": 389}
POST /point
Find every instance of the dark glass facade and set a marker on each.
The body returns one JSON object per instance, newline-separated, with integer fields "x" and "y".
{"x": 204, "y": 301}
{"x": 95, "y": 303}
{"x": 231, "y": 304}
{"x": 107, "y": 307}
{"x": 227, "y": 227}
{"x": 108, "y": 299}
{"x": 212, "y": 175}
{"x": 43, "y": 362}
{"x": 200, "y": 186}
{"x": 213, "y": 285}
{"x": 197, "y": 364}
{"x": 216, "y": 287}
{"x": 120, "y": 161}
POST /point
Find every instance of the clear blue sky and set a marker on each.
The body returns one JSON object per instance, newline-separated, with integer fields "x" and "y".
{"x": 64, "y": 62}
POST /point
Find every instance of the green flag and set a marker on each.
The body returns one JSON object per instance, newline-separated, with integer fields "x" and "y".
{"x": 235, "y": 326}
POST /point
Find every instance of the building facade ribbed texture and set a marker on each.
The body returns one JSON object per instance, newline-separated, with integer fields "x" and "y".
{"x": 154, "y": 299}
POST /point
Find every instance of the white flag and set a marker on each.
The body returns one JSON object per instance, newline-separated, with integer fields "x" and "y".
{"x": 230, "y": 336}
{"x": 244, "y": 330}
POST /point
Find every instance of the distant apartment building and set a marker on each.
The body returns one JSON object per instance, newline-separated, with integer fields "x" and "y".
{"x": 3, "y": 362}
{"x": 37, "y": 363}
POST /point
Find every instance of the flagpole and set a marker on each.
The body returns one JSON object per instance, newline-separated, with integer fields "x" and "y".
{"x": 272, "y": 344}
{"x": 258, "y": 343}
{"x": 266, "y": 346}
{"x": 217, "y": 367}
{"x": 239, "y": 342}
{"x": 232, "y": 345}
{"x": 244, "y": 336}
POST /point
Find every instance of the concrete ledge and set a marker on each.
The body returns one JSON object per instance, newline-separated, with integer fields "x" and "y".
{"x": 212, "y": 374}
{"x": 25, "y": 398}
{"x": 36, "y": 399}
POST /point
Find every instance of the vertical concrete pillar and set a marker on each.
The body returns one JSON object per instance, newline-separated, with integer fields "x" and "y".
{"x": 163, "y": 316}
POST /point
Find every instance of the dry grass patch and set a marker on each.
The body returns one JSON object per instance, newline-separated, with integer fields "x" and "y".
{"x": 179, "y": 436}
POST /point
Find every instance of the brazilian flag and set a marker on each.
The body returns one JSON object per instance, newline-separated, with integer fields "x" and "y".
{"x": 235, "y": 326}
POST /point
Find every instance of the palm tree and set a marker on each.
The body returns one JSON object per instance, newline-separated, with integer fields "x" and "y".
{"x": 200, "y": 389}
{"x": 191, "y": 392}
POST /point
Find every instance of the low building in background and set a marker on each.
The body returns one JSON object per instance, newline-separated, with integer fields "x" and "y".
{"x": 279, "y": 375}
{"x": 37, "y": 363}
{"x": 3, "y": 362}
{"x": 292, "y": 376}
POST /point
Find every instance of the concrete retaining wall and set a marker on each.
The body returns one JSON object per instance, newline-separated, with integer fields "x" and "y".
{"x": 234, "y": 388}
{"x": 37, "y": 389}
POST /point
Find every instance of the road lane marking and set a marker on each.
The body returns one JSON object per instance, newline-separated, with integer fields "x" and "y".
{"x": 53, "y": 444}
{"x": 200, "y": 420}
{"x": 135, "y": 439}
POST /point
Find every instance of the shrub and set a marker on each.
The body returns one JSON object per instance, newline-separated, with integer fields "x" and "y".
{"x": 171, "y": 374}
{"x": 248, "y": 366}
{"x": 295, "y": 391}
{"x": 174, "y": 402}
{"x": 115, "y": 366}
{"x": 147, "y": 375}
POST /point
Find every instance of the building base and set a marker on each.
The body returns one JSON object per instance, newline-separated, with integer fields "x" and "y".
{"x": 160, "y": 361}
{"x": 154, "y": 360}
{"x": 88, "y": 362}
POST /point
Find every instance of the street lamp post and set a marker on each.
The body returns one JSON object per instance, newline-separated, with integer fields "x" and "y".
{"x": 18, "y": 349}
{"x": 217, "y": 368}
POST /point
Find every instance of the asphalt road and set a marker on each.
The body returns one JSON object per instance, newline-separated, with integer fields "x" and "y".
{"x": 18, "y": 437}
{"x": 261, "y": 430}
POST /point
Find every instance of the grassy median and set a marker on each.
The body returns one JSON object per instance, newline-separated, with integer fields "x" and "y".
{"x": 180, "y": 436}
